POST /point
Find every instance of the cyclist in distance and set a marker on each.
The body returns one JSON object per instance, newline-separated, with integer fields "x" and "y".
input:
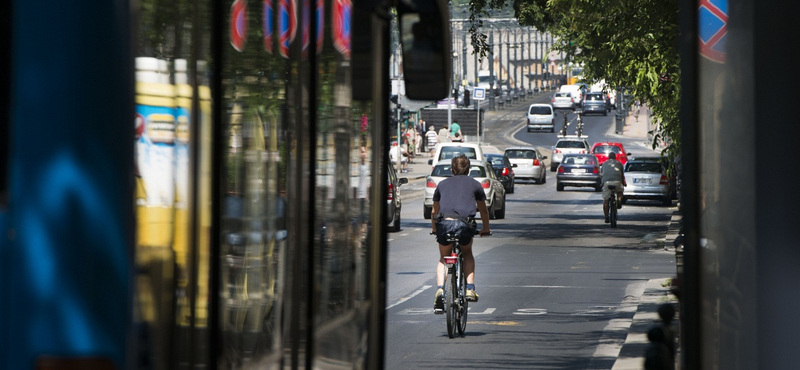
{"x": 454, "y": 203}
{"x": 613, "y": 174}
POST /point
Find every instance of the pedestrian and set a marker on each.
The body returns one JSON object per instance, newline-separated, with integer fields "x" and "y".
{"x": 444, "y": 135}
{"x": 398, "y": 152}
{"x": 455, "y": 128}
{"x": 432, "y": 139}
{"x": 421, "y": 131}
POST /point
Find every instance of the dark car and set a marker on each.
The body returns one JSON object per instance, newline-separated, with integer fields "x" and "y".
{"x": 393, "y": 202}
{"x": 594, "y": 102}
{"x": 503, "y": 169}
{"x": 578, "y": 170}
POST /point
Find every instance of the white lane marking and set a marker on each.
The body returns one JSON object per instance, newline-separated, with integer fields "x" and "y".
{"x": 487, "y": 311}
{"x": 609, "y": 345}
{"x": 531, "y": 311}
{"x": 412, "y": 295}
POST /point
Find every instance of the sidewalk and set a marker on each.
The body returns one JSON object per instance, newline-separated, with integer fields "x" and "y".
{"x": 631, "y": 355}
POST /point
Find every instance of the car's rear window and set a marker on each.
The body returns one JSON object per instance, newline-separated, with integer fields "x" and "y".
{"x": 516, "y": 154}
{"x": 541, "y": 110}
{"x": 443, "y": 170}
{"x": 496, "y": 161}
{"x": 563, "y": 95}
{"x": 594, "y": 97}
{"x": 570, "y": 144}
{"x": 606, "y": 149}
{"x": 643, "y": 167}
{"x": 579, "y": 160}
{"x": 449, "y": 152}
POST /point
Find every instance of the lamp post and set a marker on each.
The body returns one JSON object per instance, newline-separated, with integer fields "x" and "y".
{"x": 491, "y": 67}
{"x": 530, "y": 61}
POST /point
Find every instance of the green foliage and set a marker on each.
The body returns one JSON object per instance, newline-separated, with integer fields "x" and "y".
{"x": 630, "y": 43}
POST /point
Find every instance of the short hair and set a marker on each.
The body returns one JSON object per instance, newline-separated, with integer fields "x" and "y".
{"x": 612, "y": 155}
{"x": 460, "y": 165}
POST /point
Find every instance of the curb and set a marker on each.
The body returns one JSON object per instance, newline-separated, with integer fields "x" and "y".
{"x": 631, "y": 354}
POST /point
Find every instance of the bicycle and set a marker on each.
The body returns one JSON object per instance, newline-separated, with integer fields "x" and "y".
{"x": 612, "y": 206}
{"x": 455, "y": 289}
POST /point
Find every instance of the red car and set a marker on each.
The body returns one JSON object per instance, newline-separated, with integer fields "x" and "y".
{"x": 601, "y": 150}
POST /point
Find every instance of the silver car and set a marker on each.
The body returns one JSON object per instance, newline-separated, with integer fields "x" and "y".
{"x": 563, "y": 100}
{"x": 529, "y": 163}
{"x": 648, "y": 179}
{"x": 481, "y": 171}
{"x": 569, "y": 144}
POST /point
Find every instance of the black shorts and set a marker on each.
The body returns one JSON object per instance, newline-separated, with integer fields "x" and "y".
{"x": 464, "y": 230}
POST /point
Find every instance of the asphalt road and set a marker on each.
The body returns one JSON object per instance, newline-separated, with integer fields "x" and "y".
{"x": 557, "y": 285}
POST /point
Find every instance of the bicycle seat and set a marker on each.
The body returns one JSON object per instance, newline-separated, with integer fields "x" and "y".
{"x": 612, "y": 187}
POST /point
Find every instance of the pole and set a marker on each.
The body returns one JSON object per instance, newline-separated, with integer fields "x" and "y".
{"x": 464, "y": 53}
{"x": 491, "y": 67}
{"x": 530, "y": 60}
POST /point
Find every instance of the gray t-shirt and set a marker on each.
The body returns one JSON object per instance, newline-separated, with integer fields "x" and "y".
{"x": 457, "y": 195}
{"x": 611, "y": 170}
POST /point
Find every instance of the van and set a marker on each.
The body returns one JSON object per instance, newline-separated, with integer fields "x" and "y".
{"x": 540, "y": 117}
{"x": 447, "y": 151}
{"x": 576, "y": 91}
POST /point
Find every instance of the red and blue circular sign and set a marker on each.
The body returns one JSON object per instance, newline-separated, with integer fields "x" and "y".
{"x": 342, "y": 13}
{"x": 238, "y": 30}
{"x": 713, "y": 29}
{"x": 287, "y": 25}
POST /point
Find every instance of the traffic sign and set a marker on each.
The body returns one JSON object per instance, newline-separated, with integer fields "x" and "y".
{"x": 479, "y": 93}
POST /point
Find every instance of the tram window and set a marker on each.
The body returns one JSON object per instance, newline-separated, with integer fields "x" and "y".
{"x": 5, "y": 93}
{"x": 425, "y": 37}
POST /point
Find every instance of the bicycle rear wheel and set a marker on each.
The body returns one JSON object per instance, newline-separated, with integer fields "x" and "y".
{"x": 449, "y": 304}
{"x": 613, "y": 211}
{"x": 462, "y": 302}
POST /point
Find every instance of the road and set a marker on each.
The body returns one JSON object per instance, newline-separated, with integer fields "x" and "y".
{"x": 558, "y": 287}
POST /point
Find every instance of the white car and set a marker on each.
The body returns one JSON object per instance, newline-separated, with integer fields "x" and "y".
{"x": 529, "y": 163}
{"x": 541, "y": 117}
{"x": 569, "y": 144}
{"x": 562, "y": 100}
{"x": 482, "y": 172}
{"x": 448, "y": 151}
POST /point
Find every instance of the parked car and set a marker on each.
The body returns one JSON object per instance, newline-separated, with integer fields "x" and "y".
{"x": 504, "y": 170}
{"x": 393, "y": 201}
{"x": 648, "y": 178}
{"x": 563, "y": 100}
{"x": 569, "y": 144}
{"x": 447, "y": 151}
{"x": 594, "y": 103}
{"x": 528, "y": 163}
{"x": 578, "y": 170}
{"x": 603, "y": 148}
{"x": 481, "y": 171}
{"x": 541, "y": 117}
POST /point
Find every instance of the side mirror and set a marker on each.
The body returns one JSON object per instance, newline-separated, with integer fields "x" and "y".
{"x": 430, "y": 162}
{"x": 425, "y": 36}
{"x": 544, "y": 157}
{"x": 402, "y": 181}
{"x": 515, "y": 165}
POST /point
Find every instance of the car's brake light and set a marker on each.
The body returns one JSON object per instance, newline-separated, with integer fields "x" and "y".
{"x": 391, "y": 193}
{"x": 664, "y": 180}
{"x": 556, "y": 151}
{"x": 560, "y": 169}
{"x": 596, "y": 170}
{"x": 505, "y": 172}
{"x": 553, "y": 100}
{"x": 486, "y": 184}
{"x": 536, "y": 162}
{"x": 430, "y": 184}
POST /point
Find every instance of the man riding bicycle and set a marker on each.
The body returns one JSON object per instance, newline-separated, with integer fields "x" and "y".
{"x": 612, "y": 172}
{"x": 454, "y": 204}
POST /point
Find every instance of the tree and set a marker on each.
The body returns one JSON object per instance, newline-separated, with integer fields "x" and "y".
{"x": 631, "y": 43}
